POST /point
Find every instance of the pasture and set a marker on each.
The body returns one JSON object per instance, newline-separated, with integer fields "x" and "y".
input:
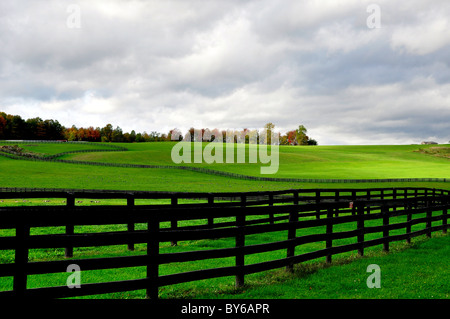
{"x": 312, "y": 279}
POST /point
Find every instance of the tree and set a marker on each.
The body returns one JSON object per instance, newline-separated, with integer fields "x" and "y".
{"x": 16, "y": 127}
{"x": 291, "y": 137}
{"x": 53, "y": 130}
{"x": 301, "y": 137}
{"x": 106, "y": 133}
{"x": 93, "y": 134}
{"x": 132, "y": 137}
{"x": 2, "y": 126}
{"x": 269, "y": 128}
{"x": 70, "y": 134}
{"x": 192, "y": 134}
{"x": 117, "y": 135}
{"x": 175, "y": 135}
{"x": 81, "y": 134}
{"x": 216, "y": 136}
{"x": 206, "y": 135}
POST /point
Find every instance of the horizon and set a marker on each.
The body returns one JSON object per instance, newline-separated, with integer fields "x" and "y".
{"x": 259, "y": 130}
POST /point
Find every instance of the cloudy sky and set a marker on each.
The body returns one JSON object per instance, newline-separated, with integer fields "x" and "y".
{"x": 350, "y": 71}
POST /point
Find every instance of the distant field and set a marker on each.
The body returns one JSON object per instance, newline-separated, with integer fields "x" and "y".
{"x": 347, "y": 162}
{"x": 317, "y": 162}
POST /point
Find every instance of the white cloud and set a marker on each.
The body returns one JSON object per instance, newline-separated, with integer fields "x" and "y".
{"x": 422, "y": 39}
{"x": 343, "y": 38}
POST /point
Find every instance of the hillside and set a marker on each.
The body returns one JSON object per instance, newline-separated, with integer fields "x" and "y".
{"x": 343, "y": 162}
{"x": 318, "y": 162}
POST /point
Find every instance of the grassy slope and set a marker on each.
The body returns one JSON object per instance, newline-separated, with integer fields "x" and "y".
{"x": 306, "y": 162}
{"x": 295, "y": 162}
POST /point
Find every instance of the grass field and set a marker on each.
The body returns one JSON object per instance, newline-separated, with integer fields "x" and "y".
{"x": 344, "y": 162}
{"x": 318, "y": 162}
{"x": 418, "y": 272}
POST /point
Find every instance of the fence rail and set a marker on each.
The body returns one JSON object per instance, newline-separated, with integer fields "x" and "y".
{"x": 227, "y": 215}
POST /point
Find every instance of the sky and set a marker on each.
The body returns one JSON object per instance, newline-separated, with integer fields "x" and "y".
{"x": 352, "y": 72}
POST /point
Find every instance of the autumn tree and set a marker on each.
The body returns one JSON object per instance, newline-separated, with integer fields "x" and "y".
{"x": 175, "y": 135}
{"x": 2, "y": 126}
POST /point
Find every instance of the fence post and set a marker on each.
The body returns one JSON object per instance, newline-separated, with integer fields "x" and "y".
{"x": 293, "y": 217}
{"x": 20, "y": 260}
{"x": 211, "y": 203}
{"x": 385, "y": 214}
{"x": 444, "y": 218}
{"x": 130, "y": 226}
{"x": 271, "y": 220}
{"x": 317, "y": 204}
{"x": 174, "y": 223}
{"x": 329, "y": 241}
{"x": 429, "y": 214}
{"x": 152, "y": 257}
{"x": 240, "y": 243}
{"x": 70, "y": 227}
{"x": 408, "y": 207}
{"x": 360, "y": 227}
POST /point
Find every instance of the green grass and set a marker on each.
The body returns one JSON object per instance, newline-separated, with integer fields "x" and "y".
{"x": 417, "y": 272}
{"x": 319, "y": 162}
{"x": 342, "y": 162}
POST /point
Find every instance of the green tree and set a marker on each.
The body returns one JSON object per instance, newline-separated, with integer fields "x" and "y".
{"x": 269, "y": 129}
{"x": 117, "y": 135}
{"x": 106, "y": 133}
{"x": 132, "y": 137}
{"x": 301, "y": 137}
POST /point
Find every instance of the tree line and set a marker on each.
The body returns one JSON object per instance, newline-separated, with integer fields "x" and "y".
{"x": 292, "y": 137}
{"x": 14, "y": 127}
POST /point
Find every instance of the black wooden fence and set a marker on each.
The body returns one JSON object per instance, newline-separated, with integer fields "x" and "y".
{"x": 245, "y": 214}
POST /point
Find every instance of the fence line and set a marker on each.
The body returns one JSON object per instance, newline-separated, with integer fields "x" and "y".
{"x": 249, "y": 213}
